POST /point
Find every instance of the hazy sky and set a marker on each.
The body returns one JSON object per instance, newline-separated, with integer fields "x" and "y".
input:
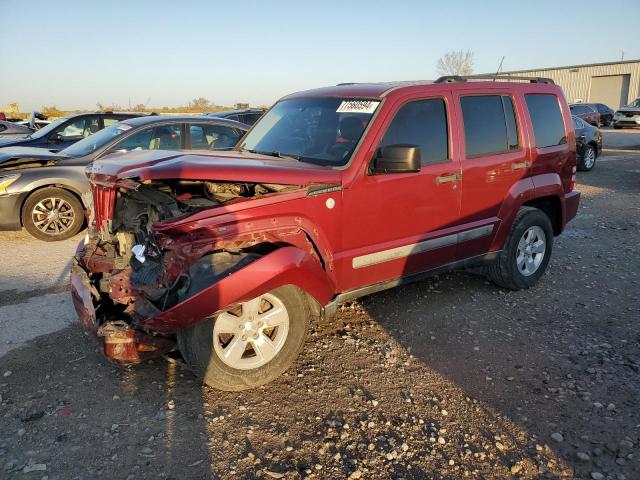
{"x": 73, "y": 54}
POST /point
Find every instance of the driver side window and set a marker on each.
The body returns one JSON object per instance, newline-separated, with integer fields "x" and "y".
{"x": 422, "y": 123}
{"x": 164, "y": 137}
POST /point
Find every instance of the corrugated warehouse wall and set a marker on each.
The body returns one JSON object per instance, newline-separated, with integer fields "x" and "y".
{"x": 615, "y": 83}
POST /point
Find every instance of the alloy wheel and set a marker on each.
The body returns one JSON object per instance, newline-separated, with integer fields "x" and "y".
{"x": 251, "y": 334}
{"x": 531, "y": 250}
{"x": 53, "y": 216}
{"x": 589, "y": 158}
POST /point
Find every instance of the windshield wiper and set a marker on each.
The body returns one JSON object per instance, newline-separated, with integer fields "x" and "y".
{"x": 276, "y": 153}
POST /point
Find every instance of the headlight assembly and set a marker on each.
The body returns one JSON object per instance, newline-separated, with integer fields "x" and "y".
{"x": 6, "y": 180}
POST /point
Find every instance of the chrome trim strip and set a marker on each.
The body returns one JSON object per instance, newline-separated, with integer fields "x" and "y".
{"x": 420, "y": 247}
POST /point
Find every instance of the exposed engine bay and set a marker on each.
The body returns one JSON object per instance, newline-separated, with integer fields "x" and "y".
{"x": 133, "y": 276}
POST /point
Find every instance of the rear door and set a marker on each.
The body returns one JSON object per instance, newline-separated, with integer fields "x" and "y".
{"x": 396, "y": 225}
{"x": 493, "y": 161}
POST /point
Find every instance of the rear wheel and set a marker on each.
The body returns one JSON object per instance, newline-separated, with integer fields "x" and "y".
{"x": 52, "y": 214}
{"x": 250, "y": 344}
{"x": 588, "y": 159}
{"x": 526, "y": 253}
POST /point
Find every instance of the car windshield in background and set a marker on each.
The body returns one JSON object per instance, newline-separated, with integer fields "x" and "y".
{"x": 93, "y": 142}
{"x": 44, "y": 131}
{"x": 316, "y": 130}
{"x": 635, "y": 103}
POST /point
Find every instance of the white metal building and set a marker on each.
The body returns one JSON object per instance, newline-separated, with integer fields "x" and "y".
{"x": 614, "y": 83}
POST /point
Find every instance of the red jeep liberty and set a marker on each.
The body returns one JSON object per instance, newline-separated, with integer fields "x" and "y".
{"x": 334, "y": 194}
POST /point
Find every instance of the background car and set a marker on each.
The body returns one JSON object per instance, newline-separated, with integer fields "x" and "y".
{"x": 14, "y": 130}
{"x": 68, "y": 130}
{"x": 628, "y": 116}
{"x": 248, "y": 116}
{"x": 42, "y": 191}
{"x": 606, "y": 114}
{"x": 588, "y": 144}
{"x": 586, "y": 112}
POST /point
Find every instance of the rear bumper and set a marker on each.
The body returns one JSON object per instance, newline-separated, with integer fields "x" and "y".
{"x": 10, "y": 206}
{"x": 571, "y": 202}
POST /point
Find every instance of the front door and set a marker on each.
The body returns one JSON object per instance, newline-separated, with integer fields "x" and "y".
{"x": 400, "y": 224}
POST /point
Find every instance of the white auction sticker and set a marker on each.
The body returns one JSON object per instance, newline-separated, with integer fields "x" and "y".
{"x": 358, "y": 106}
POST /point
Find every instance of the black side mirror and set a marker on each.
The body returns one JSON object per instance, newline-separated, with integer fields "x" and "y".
{"x": 55, "y": 138}
{"x": 397, "y": 159}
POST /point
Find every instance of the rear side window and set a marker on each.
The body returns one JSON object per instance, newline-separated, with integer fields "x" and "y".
{"x": 489, "y": 124}
{"x": 546, "y": 117}
{"x": 422, "y": 123}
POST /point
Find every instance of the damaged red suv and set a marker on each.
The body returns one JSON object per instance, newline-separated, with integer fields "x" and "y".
{"x": 334, "y": 194}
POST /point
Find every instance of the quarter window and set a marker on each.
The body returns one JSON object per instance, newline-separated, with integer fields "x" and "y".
{"x": 422, "y": 123}
{"x": 548, "y": 126}
{"x": 489, "y": 124}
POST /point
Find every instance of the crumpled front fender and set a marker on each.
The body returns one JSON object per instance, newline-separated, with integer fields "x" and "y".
{"x": 285, "y": 266}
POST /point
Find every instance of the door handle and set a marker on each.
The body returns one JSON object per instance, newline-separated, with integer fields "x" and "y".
{"x": 454, "y": 177}
{"x": 519, "y": 165}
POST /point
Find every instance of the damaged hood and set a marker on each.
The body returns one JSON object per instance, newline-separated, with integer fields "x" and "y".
{"x": 629, "y": 109}
{"x": 230, "y": 166}
{"x": 12, "y": 157}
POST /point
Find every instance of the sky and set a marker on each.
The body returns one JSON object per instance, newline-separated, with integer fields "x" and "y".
{"x": 75, "y": 54}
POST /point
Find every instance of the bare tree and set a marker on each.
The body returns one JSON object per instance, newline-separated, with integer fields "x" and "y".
{"x": 457, "y": 62}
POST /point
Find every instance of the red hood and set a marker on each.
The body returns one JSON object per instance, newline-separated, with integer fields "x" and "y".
{"x": 225, "y": 166}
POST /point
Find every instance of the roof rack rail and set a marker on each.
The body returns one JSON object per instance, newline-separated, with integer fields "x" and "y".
{"x": 346, "y": 83}
{"x": 458, "y": 78}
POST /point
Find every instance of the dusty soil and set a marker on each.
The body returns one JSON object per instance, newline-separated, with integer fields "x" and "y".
{"x": 448, "y": 378}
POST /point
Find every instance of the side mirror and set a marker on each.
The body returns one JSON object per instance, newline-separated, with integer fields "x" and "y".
{"x": 397, "y": 159}
{"x": 55, "y": 138}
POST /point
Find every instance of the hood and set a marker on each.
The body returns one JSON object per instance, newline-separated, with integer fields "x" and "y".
{"x": 230, "y": 166}
{"x": 6, "y": 141}
{"x": 22, "y": 157}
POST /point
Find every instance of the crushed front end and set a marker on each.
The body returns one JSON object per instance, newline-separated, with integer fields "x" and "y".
{"x": 127, "y": 274}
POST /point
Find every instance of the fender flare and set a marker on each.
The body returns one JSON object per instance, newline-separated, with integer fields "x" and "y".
{"x": 284, "y": 266}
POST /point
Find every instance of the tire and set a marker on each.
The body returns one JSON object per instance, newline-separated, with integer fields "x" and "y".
{"x": 505, "y": 270}
{"x": 202, "y": 345}
{"x": 587, "y": 160}
{"x": 67, "y": 214}
{"x": 617, "y": 127}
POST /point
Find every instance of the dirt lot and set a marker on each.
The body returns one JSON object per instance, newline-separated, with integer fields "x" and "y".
{"x": 448, "y": 378}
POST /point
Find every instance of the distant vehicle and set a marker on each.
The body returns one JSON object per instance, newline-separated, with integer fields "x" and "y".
{"x": 13, "y": 130}
{"x": 628, "y": 116}
{"x": 42, "y": 191}
{"x": 586, "y": 112}
{"x": 68, "y": 130}
{"x": 606, "y": 114}
{"x": 588, "y": 144}
{"x": 248, "y": 116}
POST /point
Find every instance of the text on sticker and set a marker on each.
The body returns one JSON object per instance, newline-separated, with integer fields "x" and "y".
{"x": 357, "y": 106}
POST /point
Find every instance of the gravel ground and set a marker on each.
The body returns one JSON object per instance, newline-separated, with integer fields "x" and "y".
{"x": 448, "y": 378}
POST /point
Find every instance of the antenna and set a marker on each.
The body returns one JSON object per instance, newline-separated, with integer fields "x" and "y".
{"x": 499, "y": 68}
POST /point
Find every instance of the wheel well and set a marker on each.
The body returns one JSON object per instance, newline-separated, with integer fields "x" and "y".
{"x": 53, "y": 185}
{"x": 551, "y": 206}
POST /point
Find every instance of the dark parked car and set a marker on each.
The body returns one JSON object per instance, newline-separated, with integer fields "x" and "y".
{"x": 43, "y": 191}
{"x": 68, "y": 130}
{"x": 586, "y": 112}
{"x": 606, "y": 114}
{"x": 588, "y": 144}
{"x": 628, "y": 116}
{"x": 14, "y": 130}
{"x": 248, "y": 116}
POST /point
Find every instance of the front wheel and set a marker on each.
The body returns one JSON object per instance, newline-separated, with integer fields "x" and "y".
{"x": 587, "y": 160}
{"x": 52, "y": 214}
{"x": 250, "y": 344}
{"x": 526, "y": 252}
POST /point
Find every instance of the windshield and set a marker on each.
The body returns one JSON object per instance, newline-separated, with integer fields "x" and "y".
{"x": 93, "y": 142}
{"x": 635, "y": 103}
{"x": 44, "y": 131}
{"x": 317, "y": 130}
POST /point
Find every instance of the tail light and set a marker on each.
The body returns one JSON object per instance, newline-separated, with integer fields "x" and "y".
{"x": 572, "y": 184}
